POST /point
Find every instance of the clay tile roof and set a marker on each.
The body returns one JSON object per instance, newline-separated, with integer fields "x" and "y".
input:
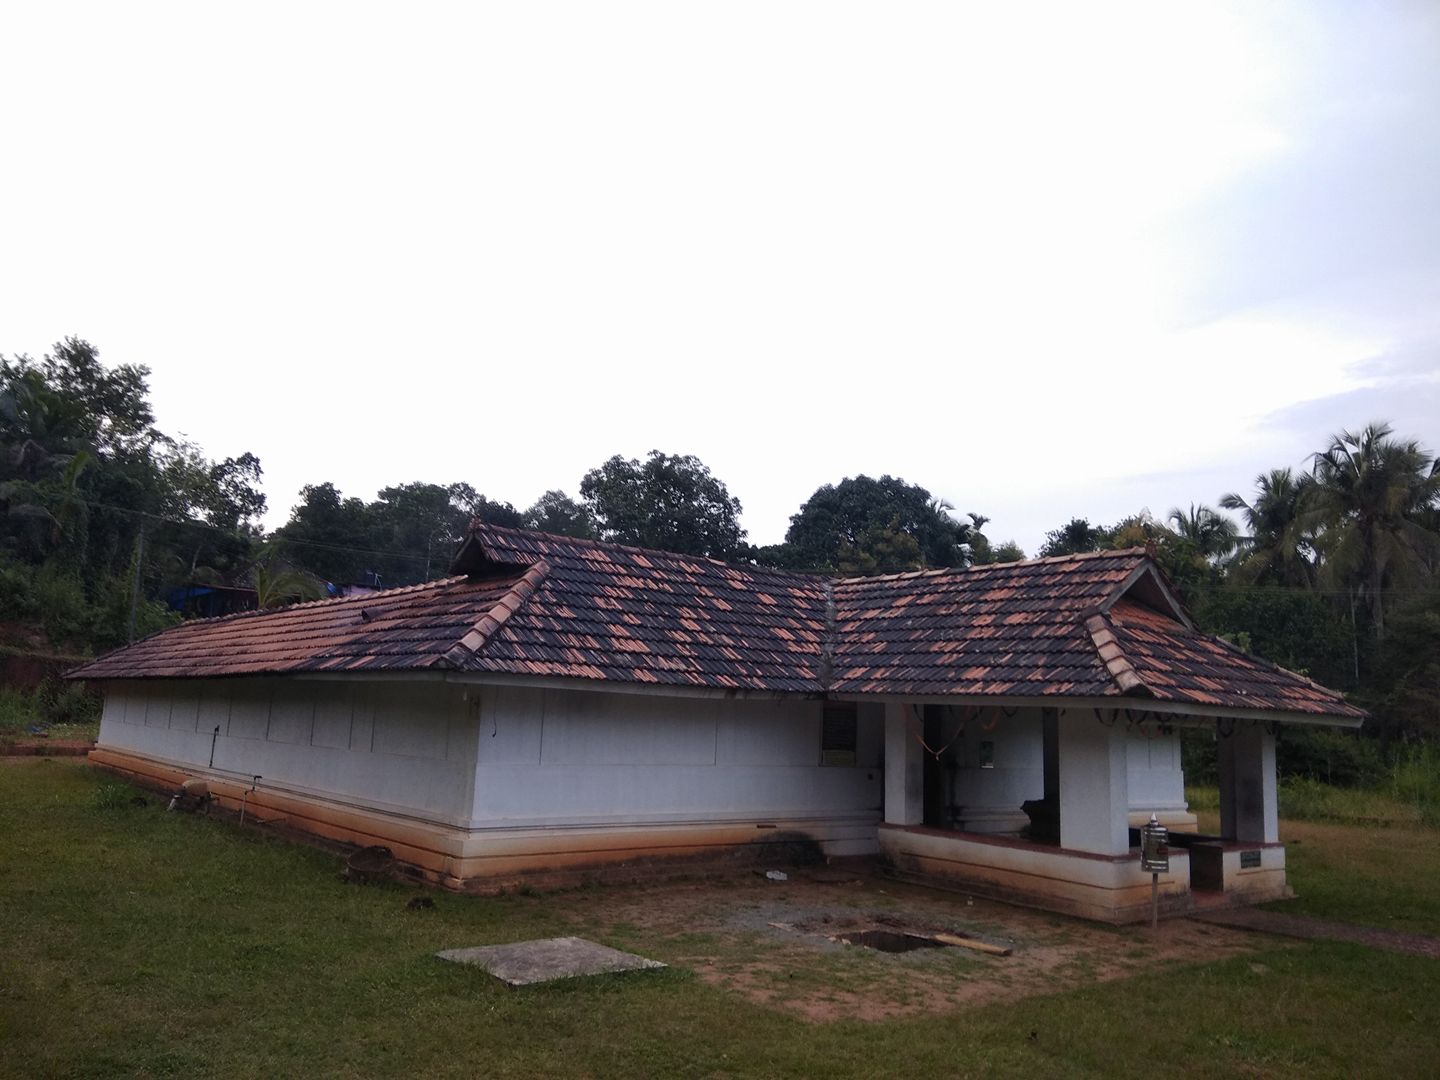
{"x": 1177, "y": 664}
{"x": 536, "y": 605}
{"x": 397, "y": 629}
{"x": 634, "y": 615}
{"x": 1018, "y": 625}
{"x": 530, "y": 604}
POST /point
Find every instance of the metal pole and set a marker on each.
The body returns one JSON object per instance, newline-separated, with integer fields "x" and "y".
{"x": 245, "y": 802}
{"x": 1154, "y": 900}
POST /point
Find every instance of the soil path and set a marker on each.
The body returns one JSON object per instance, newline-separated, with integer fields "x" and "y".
{"x": 1310, "y": 928}
{"x": 782, "y": 943}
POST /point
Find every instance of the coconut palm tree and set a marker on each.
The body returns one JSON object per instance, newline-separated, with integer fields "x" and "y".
{"x": 1366, "y": 504}
{"x": 1213, "y": 534}
{"x": 1278, "y": 550}
{"x": 277, "y": 584}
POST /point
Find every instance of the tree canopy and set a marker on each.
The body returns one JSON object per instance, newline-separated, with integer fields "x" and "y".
{"x": 1331, "y": 568}
{"x": 1280, "y": 549}
{"x": 862, "y": 525}
{"x": 555, "y": 512}
{"x": 670, "y": 502}
{"x": 84, "y": 473}
{"x": 1075, "y": 537}
{"x": 1364, "y": 507}
{"x": 405, "y": 535}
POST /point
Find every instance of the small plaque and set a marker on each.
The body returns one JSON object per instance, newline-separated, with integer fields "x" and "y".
{"x": 1249, "y": 860}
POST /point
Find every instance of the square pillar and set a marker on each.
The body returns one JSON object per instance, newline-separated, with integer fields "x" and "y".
{"x": 1050, "y": 753}
{"x": 904, "y": 768}
{"x": 1249, "y": 797}
{"x": 1094, "y": 785}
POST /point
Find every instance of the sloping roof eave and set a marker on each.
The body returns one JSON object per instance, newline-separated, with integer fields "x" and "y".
{"x": 592, "y": 613}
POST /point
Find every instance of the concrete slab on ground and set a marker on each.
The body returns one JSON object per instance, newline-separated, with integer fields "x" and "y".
{"x": 525, "y": 963}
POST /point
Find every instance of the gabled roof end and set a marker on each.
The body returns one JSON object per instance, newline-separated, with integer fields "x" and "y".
{"x": 1148, "y": 584}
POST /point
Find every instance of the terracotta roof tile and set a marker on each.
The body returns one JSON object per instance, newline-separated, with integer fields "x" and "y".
{"x": 410, "y": 628}
{"x": 1180, "y": 665}
{"x": 548, "y": 606}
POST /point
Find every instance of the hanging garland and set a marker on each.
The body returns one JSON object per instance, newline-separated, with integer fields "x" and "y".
{"x": 1114, "y": 716}
{"x": 914, "y": 723}
{"x": 1138, "y": 723}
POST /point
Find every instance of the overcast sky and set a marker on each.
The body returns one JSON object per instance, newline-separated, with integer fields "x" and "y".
{"x": 1047, "y": 261}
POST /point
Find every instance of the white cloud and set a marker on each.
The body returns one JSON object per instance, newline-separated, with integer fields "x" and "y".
{"x": 500, "y": 242}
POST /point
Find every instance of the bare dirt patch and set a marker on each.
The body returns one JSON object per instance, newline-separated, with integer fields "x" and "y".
{"x": 778, "y": 943}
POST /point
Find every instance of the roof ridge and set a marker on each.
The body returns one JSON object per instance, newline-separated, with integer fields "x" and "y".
{"x": 498, "y": 615}
{"x": 235, "y": 616}
{"x": 825, "y": 670}
{"x": 1107, "y": 645}
{"x": 980, "y": 568}
{"x": 589, "y": 543}
{"x": 306, "y": 604}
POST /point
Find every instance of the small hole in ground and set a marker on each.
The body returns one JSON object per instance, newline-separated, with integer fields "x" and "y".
{"x": 891, "y": 941}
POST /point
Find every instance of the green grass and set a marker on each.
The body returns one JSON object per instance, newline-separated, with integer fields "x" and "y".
{"x": 1383, "y": 876}
{"x": 1410, "y": 796}
{"x": 139, "y": 943}
{"x": 1386, "y": 877}
{"x": 17, "y": 710}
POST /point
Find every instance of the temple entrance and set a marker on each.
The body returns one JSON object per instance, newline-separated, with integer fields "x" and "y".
{"x": 940, "y": 810}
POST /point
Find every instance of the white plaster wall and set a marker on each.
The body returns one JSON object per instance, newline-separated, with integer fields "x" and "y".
{"x": 1094, "y": 786}
{"x": 403, "y": 746}
{"x": 1156, "y": 780}
{"x": 578, "y": 756}
{"x": 487, "y": 756}
{"x": 990, "y": 798}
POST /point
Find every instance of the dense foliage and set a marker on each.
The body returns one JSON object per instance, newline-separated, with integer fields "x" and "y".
{"x": 670, "y": 502}
{"x": 1331, "y": 569}
{"x": 93, "y": 498}
{"x": 867, "y": 526}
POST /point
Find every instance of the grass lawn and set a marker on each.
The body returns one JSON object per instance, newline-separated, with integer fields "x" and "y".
{"x": 134, "y": 942}
{"x": 1377, "y": 876}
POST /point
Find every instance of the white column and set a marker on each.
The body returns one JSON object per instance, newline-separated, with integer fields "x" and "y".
{"x": 1249, "y": 802}
{"x": 904, "y": 768}
{"x": 1094, "y": 788}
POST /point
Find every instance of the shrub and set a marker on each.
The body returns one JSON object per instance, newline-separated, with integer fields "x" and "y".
{"x": 61, "y": 606}
{"x": 1341, "y": 758}
{"x": 1415, "y": 780}
{"x": 18, "y": 710}
{"x": 17, "y": 591}
{"x": 53, "y": 703}
{"x": 111, "y": 797}
{"x": 68, "y": 703}
{"x": 1199, "y": 756}
{"x": 1205, "y": 797}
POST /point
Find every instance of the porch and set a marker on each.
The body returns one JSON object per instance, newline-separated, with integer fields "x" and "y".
{"x": 1040, "y": 806}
